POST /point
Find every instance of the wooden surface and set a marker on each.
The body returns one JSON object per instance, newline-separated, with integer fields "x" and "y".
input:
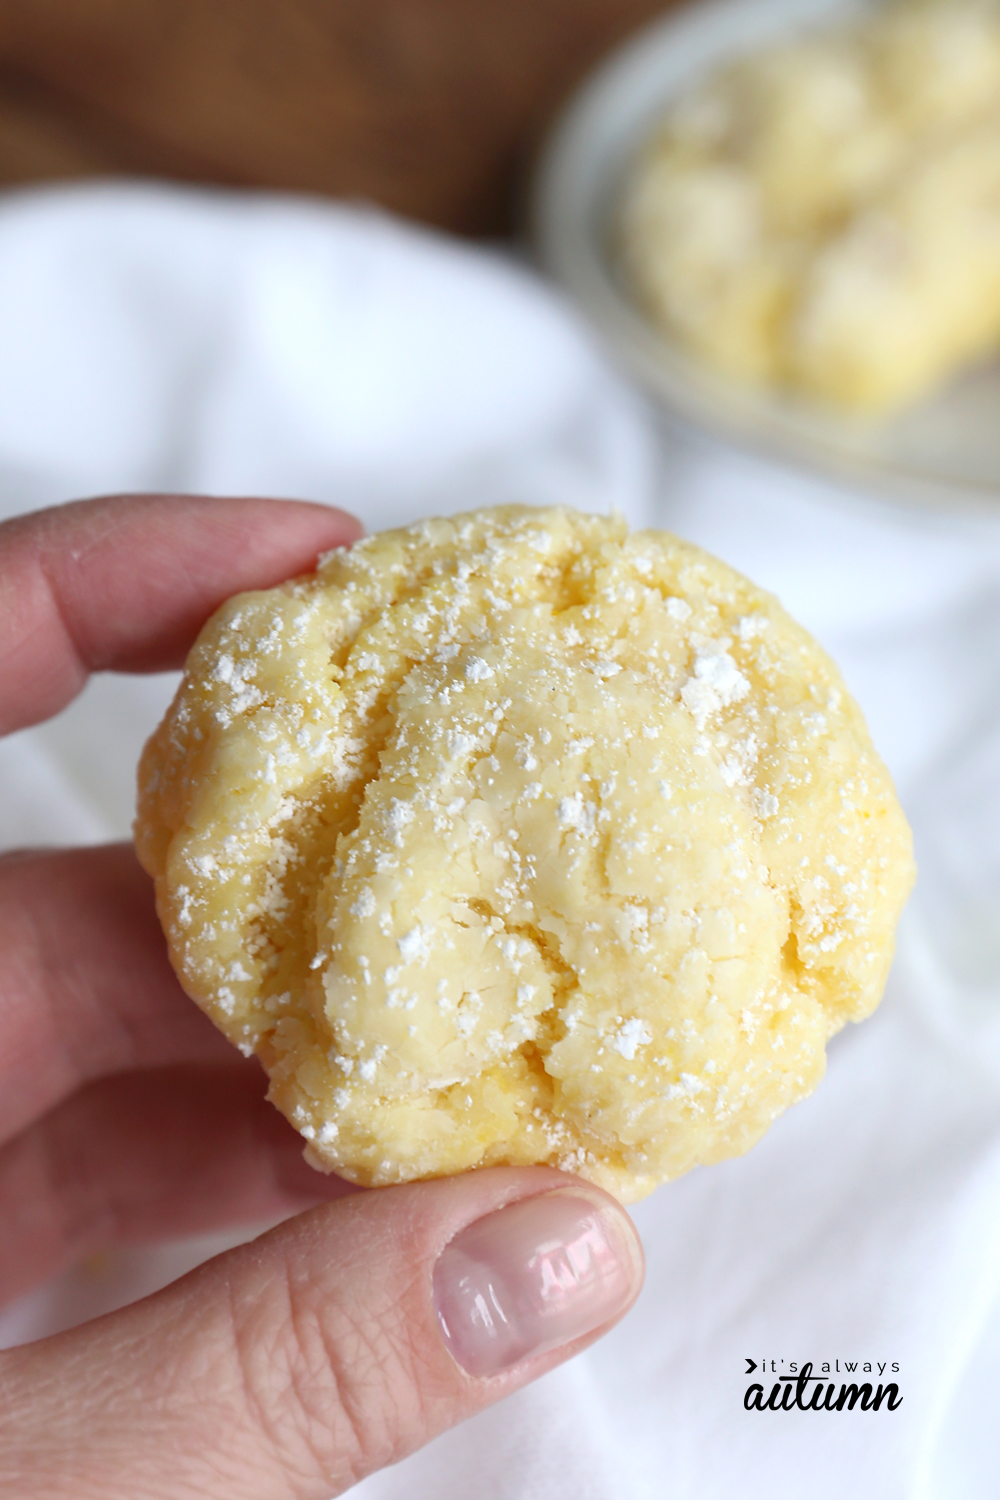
{"x": 430, "y": 107}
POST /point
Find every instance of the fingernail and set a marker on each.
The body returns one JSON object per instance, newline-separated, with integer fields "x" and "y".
{"x": 534, "y": 1275}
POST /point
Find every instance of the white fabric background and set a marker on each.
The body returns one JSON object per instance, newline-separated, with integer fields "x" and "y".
{"x": 164, "y": 339}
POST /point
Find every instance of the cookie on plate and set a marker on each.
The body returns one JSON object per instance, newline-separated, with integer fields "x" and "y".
{"x": 822, "y": 215}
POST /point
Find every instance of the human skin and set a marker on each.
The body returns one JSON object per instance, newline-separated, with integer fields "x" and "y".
{"x": 346, "y": 1337}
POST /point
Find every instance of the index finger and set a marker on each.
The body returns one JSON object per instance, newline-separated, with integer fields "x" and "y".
{"x": 125, "y": 583}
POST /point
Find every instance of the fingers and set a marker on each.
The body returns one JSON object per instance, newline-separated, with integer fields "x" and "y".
{"x": 148, "y": 1156}
{"x": 85, "y": 986}
{"x": 125, "y": 583}
{"x": 335, "y": 1344}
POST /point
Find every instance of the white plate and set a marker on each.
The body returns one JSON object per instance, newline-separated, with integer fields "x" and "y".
{"x": 944, "y": 453}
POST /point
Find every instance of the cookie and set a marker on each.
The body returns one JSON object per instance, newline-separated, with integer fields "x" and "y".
{"x": 822, "y": 216}
{"x": 514, "y": 838}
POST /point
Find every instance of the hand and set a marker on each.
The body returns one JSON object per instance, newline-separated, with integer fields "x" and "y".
{"x": 349, "y": 1335}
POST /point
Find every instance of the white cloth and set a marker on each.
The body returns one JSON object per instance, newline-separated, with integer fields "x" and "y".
{"x": 157, "y": 338}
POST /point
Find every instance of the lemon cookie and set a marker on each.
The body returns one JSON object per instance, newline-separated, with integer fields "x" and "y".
{"x": 825, "y": 215}
{"x": 515, "y": 838}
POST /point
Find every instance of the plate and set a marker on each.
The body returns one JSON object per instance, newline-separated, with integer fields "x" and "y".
{"x": 942, "y": 455}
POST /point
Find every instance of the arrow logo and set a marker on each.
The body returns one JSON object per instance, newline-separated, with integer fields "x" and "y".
{"x": 751, "y": 1365}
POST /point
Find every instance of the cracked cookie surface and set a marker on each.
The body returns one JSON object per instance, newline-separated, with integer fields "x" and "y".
{"x": 513, "y": 838}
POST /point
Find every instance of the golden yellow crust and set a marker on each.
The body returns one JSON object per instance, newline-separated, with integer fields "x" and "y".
{"x": 513, "y": 838}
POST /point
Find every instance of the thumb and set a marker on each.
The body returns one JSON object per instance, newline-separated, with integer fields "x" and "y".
{"x": 331, "y": 1346}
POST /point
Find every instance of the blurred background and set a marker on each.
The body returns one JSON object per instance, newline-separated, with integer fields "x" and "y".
{"x": 431, "y": 108}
